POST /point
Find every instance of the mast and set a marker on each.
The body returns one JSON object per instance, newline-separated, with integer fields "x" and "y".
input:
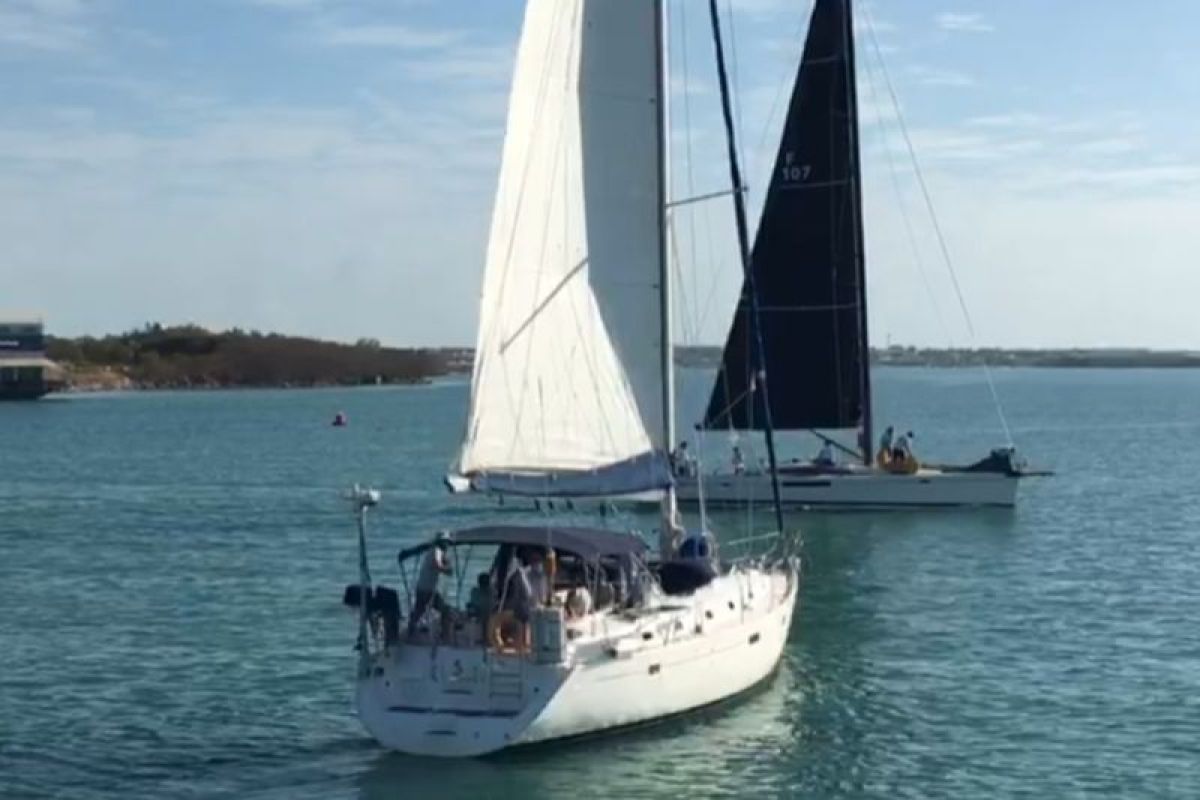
{"x": 860, "y": 267}
{"x": 758, "y": 363}
{"x": 669, "y": 512}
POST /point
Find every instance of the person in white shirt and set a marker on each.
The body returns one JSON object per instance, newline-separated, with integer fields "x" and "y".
{"x": 885, "y": 442}
{"x": 539, "y": 579}
{"x": 434, "y": 565}
{"x": 682, "y": 461}
{"x": 529, "y": 585}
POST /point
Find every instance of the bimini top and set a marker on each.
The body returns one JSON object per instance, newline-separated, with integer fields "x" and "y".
{"x": 591, "y": 544}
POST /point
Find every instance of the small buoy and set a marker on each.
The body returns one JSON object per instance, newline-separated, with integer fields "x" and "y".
{"x": 339, "y": 420}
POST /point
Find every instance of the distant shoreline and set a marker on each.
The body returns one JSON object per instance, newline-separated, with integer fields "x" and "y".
{"x": 118, "y": 386}
{"x": 1075, "y": 358}
{"x": 191, "y": 358}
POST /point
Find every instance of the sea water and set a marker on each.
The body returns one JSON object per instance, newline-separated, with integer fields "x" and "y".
{"x": 172, "y": 565}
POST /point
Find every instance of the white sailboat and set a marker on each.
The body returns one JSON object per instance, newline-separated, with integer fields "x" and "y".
{"x": 571, "y": 396}
{"x": 809, "y": 264}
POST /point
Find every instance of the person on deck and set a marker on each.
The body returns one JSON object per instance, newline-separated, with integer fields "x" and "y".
{"x": 539, "y": 578}
{"x": 681, "y": 461}
{"x": 527, "y": 585}
{"x": 435, "y": 564}
{"x": 739, "y": 463}
{"x": 481, "y": 603}
{"x": 885, "y": 442}
{"x": 902, "y": 450}
{"x": 825, "y": 457}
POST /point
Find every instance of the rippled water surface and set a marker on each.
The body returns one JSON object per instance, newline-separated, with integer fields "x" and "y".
{"x": 171, "y": 567}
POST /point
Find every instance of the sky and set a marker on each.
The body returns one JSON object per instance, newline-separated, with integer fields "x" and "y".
{"x": 327, "y": 167}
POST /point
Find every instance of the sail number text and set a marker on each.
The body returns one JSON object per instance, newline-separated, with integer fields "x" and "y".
{"x": 793, "y": 172}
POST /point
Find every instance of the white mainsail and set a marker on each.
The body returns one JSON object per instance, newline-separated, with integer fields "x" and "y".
{"x": 569, "y": 360}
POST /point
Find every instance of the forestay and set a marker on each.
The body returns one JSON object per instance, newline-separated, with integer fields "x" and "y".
{"x": 568, "y": 379}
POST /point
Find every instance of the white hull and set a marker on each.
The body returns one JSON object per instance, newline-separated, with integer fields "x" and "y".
{"x": 691, "y": 652}
{"x": 860, "y": 489}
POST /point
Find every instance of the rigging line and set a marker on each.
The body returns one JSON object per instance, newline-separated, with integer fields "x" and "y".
{"x": 894, "y": 174}
{"x": 700, "y": 198}
{"x": 761, "y": 152}
{"x": 737, "y": 83}
{"x": 502, "y": 281}
{"x": 699, "y": 310}
{"x": 516, "y": 395}
{"x": 541, "y": 306}
{"x": 689, "y": 333}
{"x": 726, "y": 412}
{"x": 689, "y": 167}
{"x": 836, "y": 444}
{"x": 735, "y": 179}
{"x": 937, "y": 228}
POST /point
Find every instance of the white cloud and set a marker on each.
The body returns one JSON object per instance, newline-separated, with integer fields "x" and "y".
{"x": 401, "y": 37}
{"x": 55, "y": 8}
{"x": 321, "y": 217}
{"x": 42, "y": 26}
{"x": 475, "y": 63}
{"x": 1016, "y": 119}
{"x": 248, "y": 215}
{"x": 290, "y": 5}
{"x": 1111, "y": 146}
{"x": 956, "y": 145}
{"x": 971, "y": 23}
{"x": 934, "y": 76}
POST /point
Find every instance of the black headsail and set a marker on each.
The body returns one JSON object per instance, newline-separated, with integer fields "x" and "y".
{"x": 807, "y": 259}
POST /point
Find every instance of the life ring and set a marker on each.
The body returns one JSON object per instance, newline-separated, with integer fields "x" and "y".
{"x": 495, "y": 632}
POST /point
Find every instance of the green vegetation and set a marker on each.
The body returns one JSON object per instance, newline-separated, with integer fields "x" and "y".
{"x": 188, "y": 356}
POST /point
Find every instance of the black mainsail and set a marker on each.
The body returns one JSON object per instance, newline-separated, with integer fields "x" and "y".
{"x": 807, "y": 260}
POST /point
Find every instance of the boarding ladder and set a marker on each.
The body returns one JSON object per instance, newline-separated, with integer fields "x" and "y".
{"x": 506, "y": 677}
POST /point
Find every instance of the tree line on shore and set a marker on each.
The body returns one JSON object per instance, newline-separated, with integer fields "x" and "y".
{"x": 185, "y": 356}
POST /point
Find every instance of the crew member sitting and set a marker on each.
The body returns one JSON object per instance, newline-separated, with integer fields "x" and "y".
{"x": 682, "y": 462}
{"x": 825, "y": 457}
{"x": 901, "y": 460}
{"x": 739, "y": 462}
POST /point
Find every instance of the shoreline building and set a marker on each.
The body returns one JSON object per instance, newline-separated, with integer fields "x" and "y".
{"x": 25, "y": 372}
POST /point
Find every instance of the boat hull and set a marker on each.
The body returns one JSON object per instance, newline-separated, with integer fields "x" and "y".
{"x": 711, "y": 646}
{"x": 863, "y": 489}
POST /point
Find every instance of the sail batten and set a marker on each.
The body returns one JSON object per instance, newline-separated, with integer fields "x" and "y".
{"x": 807, "y": 258}
{"x": 568, "y": 377}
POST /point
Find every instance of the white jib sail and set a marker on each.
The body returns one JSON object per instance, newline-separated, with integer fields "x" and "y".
{"x": 568, "y": 359}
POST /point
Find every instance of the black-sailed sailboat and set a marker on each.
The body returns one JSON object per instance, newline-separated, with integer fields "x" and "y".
{"x": 808, "y": 268}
